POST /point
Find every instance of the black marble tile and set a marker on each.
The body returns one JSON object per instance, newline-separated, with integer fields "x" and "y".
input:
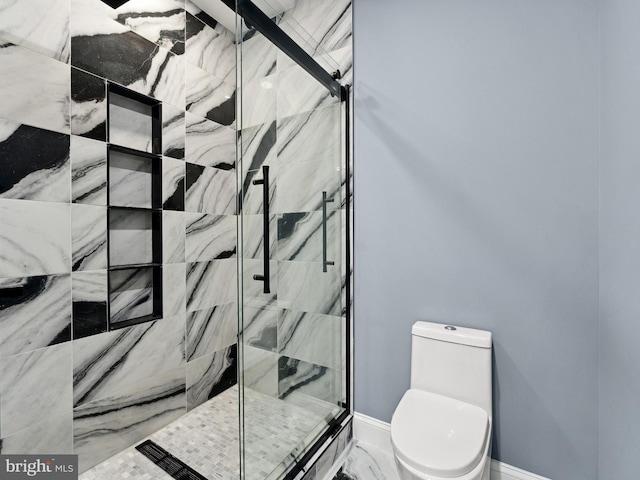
{"x": 89, "y": 318}
{"x": 88, "y": 105}
{"x": 34, "y": 162}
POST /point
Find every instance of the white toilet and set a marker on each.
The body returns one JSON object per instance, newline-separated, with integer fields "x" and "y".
{"x": 441, "y": 428}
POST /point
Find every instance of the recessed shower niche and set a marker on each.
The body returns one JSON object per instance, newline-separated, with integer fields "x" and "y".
{"x": 134, "y": 208}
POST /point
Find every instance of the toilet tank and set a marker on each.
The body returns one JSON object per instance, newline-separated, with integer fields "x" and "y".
{"x": 452, "y": 361}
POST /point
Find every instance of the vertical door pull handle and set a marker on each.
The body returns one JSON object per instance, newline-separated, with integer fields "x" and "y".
{"x": 325, "y": 262}
{"x": 264, "y": 181}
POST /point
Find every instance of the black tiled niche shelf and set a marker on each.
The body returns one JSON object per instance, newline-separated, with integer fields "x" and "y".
{"x": 134, "y": 213}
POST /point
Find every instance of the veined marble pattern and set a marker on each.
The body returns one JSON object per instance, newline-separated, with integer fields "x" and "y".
{"x": 210, "y": 284}
{"x": 258, "y": 105}
{"x": 88, "y": 171}
{"x": 173, "y": 131}
{"x": 300, "y": 236}
{"x": 130, "y": 180}
{"x": 110, "y": 50}
{"x": 131, "y": 294}
{"x": 261, "y": 327}
{"x": 38, "y": 317}
{"x": 34, "y": 162}
{"x": 317, "y": 381}
{"x": 130, "y": 123}
{"x": 46, "y": 33}
{"x": 89, "y": 237}
{"x": 311, "y": 337}
{"x": 173, "y": 176}
{"x": 258, "y": 145}
{"x": 51, "y": 436}
{"x": 253, "y": 290}
{"x": 130, "y": 236}
{"x": 210, "y": 375}
{"x": 37, "y": 90}
{"x": 300, "y": 186}
{"x": 163, "y": 24}
{"x": 258, "y": 56}
{"x": 89, "y": 303}
{"x": 110, "y": 362}
{"x": 210, "y": 190}
{"x": 366, "y": 462}
{"x": 174, "y": 278}
{"x": 210, "y": 97}
{"x": 211, "y": 330}
{"x": 260, "y": 370}
{"x": 106, "y": 426}
{"x": 305, "y": 287}
{"x": 210, "y": 144}
{"x": 253, "y": 236}
{"x": 210, "y": 237}
{"x": 329, "y": 23}
{"x": 34, "y": 239}
{"x": 173, "y": 228}
{"x": 343, "y": 443}
{"x": 211, "y": 49}
{"x": 314, "y": 136}
{"x": 35, "y": 386}
{"x": 88, "y": 105}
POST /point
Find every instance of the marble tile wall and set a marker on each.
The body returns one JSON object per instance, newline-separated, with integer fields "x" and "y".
{"x": 294, "y": 336}
{"x": 67, "y": 384}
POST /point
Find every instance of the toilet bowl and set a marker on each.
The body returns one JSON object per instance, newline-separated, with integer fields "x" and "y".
{"x": 441, "y": 429}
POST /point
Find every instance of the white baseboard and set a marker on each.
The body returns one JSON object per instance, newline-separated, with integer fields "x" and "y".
{"x": 377, "y": 433}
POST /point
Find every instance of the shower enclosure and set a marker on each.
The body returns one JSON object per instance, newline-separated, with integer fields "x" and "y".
{"x": 294, "y": 282}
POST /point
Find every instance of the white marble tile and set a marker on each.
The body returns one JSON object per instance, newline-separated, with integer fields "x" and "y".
{"x": 260, "y": 370}
{"x": 34, "y": 162}
{"x": 210, "y": 237}
{"x": 34, "y": 239}
{"x": 174, "y": 278}
{"x": 51, "y": 436}
{"x": 173, "y": 131}
{"x": 210, "y": 190}
{"x": 89, "y": 237}
{"x": 258, "y": 101}
{"x": 253, "y": 290}
{"x": 88, "y": 171}
{"x": 46, "y": 32}
{"x": 305, "y": 287}
{"x": 159, "y": 21}
{"x": 211, "y": 283}
{"x": 209, "y": 144}
{"x": 366, "y": 462}
{"x": 300, "y": 377}
{"x": 253, "y": 236}
{"x": 131, "y": 294}
{"x": 37, "y": 90}
{"x": 173, "y": 237}
{"x": 211, "y": 49}
{"x": 211, "y": 330}
{"x": 130, "y": 237}
{"x": 106, "y": 426}
{"x": 38, "y": 317}
{"x": 210, "y": 375}
{"x": 260, "y": 327}
{"x": 300, "y": 187}
{"x": 110, "y": 362}
{"x": 210, "y": 97}
{"x": 173, "y": 177}
{"x": 35, "y": 386}
{"x": 130, "y": 180}
{"x": 311, "y": 337}
{"x": 130, "y": 123}
{"x": 258, "y": 56}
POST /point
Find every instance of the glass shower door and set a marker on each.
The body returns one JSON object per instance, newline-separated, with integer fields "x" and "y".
{"x": 291, "y": 239}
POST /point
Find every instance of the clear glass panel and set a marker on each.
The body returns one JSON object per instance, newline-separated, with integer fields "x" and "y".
{"x": 292, "y": 344}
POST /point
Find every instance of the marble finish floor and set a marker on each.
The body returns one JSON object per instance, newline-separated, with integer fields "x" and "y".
{"x": 207, "y": 439}
{"x": 366, "y": 462}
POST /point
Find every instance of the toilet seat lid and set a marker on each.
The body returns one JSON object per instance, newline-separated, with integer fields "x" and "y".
{"x": 439, "y": 435}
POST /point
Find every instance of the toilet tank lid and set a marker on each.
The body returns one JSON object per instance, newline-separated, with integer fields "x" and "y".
{"x": 452, "y": 334}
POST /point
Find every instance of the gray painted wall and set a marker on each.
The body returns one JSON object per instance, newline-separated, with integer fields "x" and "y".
{"x": 477, "y": 204}
{"x": 620, "y": 242}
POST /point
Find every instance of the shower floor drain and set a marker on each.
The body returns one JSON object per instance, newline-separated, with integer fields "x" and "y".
{"x": 167, "y": 462}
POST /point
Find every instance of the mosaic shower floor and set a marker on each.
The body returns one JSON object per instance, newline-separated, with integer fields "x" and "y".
{"x": 207, "y": 439}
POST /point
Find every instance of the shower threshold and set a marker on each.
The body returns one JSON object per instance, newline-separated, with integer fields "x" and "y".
{"x": 206, "y": 439}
